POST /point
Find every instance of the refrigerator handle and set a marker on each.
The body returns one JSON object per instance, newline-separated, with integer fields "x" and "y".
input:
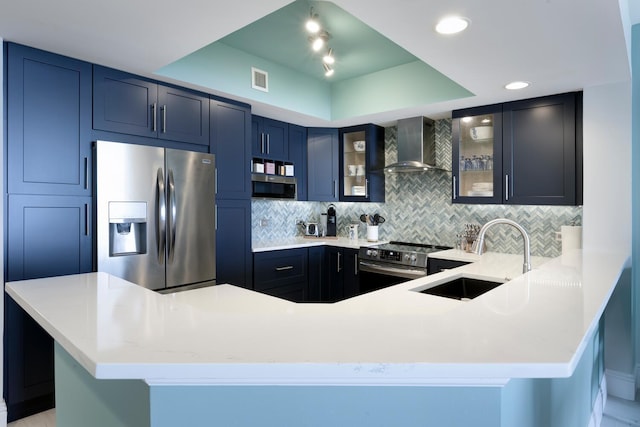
{"x": 161, "y": 216}
{"x": 171, "y": 194}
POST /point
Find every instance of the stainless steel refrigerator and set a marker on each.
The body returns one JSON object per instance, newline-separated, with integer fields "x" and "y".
{"x": 155, "y": 215}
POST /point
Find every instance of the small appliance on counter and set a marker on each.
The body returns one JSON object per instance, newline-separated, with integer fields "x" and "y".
{"x": 332, "y": 221}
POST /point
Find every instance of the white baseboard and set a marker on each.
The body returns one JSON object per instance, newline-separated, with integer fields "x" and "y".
{"x": 599, "y": 404}
{"x": 3, "y": 413}
{"x": 620, "y": 384}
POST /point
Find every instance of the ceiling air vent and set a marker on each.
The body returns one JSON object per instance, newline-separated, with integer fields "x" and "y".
{"x": 259, "y": 79}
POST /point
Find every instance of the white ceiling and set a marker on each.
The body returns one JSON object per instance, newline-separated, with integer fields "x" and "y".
{"x": 558, "y": 45}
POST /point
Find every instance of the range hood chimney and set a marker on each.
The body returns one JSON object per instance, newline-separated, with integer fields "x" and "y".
{"x": 416, "y": 146}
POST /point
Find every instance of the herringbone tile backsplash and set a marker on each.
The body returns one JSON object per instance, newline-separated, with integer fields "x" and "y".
{"x": 418, "y": 208}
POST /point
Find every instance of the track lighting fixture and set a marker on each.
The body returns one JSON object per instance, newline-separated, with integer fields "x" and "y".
{"x": 318, "y": 41}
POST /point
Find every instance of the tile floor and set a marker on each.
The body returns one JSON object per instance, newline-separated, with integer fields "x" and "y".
{"x": 617, "y": 413}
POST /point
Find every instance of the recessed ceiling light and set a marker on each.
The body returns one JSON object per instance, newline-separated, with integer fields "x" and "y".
{"x": 452, "y": 25}
{"x": 516, "y": 85}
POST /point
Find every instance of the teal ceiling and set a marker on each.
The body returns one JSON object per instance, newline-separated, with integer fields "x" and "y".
{"x": 373, "y": 75}
{"x": 282, "y": 38}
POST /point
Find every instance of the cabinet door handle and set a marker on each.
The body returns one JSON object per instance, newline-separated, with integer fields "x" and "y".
{"x": 154, "y": 119}
{"x": 285, "y": 268}
{"x": 268, "y": 144}
{"x": 355, "y": 264}
{"x": 216, "y": 181}
{"x": 262, "y": 142}
{"x": 366, "y": 188}
{"x": 86, "y": 173}
{"x": 164, "y": 119}
{"x": 335, "y": 188}
{"x": 339, "y": 259}
{"x": 506, "y": 187}
{"x": 215, "y": 214}
{"x": 86, "y": 220}
{"x": 454, "y": 188}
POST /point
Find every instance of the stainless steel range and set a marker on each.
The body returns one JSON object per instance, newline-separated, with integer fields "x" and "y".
{"x": 392, "y": 263}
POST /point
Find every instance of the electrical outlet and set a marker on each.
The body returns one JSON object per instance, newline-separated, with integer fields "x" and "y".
{"x": 558, "y": 236}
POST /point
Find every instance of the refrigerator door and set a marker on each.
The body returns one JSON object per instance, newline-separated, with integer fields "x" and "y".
{"x": 191, "y": 232}
{"x": 130, "y": 181}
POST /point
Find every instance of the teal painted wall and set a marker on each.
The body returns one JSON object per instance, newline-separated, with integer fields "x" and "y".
{"x": 82, "y": 400}
{"x": 635, "y": 183}
{"x": 228, "y": 70}
{"x": 392, "y": 89}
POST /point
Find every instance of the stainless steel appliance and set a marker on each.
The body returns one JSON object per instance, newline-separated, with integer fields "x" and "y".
{"x": 155, "y": 215}
{"x": 392, "y": 263}
{"x": 265, "y": 186}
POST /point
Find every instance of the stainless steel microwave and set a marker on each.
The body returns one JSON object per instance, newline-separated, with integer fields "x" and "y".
{"x": 265, "y": 186}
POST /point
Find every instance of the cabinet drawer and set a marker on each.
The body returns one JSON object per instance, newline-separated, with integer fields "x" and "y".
{"x": 278, "y": 268}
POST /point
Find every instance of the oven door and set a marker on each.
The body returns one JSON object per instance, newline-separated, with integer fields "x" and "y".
{"x": 377, "y": 275}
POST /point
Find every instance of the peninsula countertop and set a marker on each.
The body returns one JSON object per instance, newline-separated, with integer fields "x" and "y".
{"x": 535, "y": 325}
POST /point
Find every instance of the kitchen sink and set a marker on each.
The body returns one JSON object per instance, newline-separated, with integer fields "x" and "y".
{"x": 462, "y": 288}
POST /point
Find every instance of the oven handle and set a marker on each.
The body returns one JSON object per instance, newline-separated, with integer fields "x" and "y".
{"x": 410, "y": 273}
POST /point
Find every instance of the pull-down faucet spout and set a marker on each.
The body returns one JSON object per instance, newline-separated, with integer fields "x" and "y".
{"x": 479, "y": 243}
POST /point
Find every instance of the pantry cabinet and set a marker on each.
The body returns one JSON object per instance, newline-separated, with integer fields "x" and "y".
{"x": 48, "y": 123}
{"x": 523, "y": 152}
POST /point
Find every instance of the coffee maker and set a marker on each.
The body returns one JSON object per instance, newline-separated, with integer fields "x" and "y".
{"x": 332, "y": 221}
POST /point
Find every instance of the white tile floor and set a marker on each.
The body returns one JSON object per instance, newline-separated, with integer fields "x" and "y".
{"x": 617, "y": 413}
{"x": 621, "y": 413}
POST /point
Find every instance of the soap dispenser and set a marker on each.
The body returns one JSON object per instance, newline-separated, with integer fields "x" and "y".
{"x": 332, "y": 220}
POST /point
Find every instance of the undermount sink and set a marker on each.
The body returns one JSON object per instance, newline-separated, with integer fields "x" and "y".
{"x": 462, "y": 288}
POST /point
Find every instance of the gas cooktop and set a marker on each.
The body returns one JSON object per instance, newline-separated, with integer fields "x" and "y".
{"x": 403, "y": 253}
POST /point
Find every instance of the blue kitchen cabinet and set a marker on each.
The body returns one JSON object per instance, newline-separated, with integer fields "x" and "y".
{"x": 234, "y": 260}
{"x": 298, "y": 156}
{"x": 322, "y": 165}
{"x": 230, "y": 143}
{"x": 270, "y": 138}
{"x": 129, "y": 104}
{"x": 318, "y": 284}
{"x": 362, "y": 164}
{"x": 282, "y": 273}
{"x": 342, "y": 273}
{"x": 542, "y": 150}
{"x": 46, "y": 236}
{"x": 526, "y": 152}
{"x": 48, "y": 123}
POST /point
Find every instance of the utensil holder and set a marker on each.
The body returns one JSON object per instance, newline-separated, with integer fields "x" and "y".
{"x": 372, "y": 233}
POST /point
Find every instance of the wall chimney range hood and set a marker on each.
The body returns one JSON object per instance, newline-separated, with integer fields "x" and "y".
{"x": 416, "y": 146}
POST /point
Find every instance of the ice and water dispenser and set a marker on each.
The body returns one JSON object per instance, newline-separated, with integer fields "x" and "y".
{"x": 127, "y": 228}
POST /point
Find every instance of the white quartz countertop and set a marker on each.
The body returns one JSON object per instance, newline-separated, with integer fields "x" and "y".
{"x": 306, "y": 242}
{"x": 535, "y": 325}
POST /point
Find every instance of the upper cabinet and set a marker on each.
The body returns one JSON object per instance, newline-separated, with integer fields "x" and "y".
{"x": 322, "y": 164}
{"x": 298, "y": 156}
{"x": 362, "y": 163}
{"x": 270, "y": 138}
{"x": 129, "y": 104}
{"x": 524, "y": 152}
{"x": 230, "y": 139}
{"x": 48, "y": 123}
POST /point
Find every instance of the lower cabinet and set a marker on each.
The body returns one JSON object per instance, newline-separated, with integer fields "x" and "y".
{"x": 233, "y": 242}
{"x": 282, "y": 273}
{"x": 316, "y": 274}
{"x": 47, "y": 236}
{"x": 342, "y": 273}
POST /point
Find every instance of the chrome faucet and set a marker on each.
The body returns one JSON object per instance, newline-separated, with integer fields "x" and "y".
{"x": 478, "y": 245}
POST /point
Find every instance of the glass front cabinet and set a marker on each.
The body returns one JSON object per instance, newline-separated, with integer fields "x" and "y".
{"x": 477, "y": 155}
{"x": 362, "y": 164}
